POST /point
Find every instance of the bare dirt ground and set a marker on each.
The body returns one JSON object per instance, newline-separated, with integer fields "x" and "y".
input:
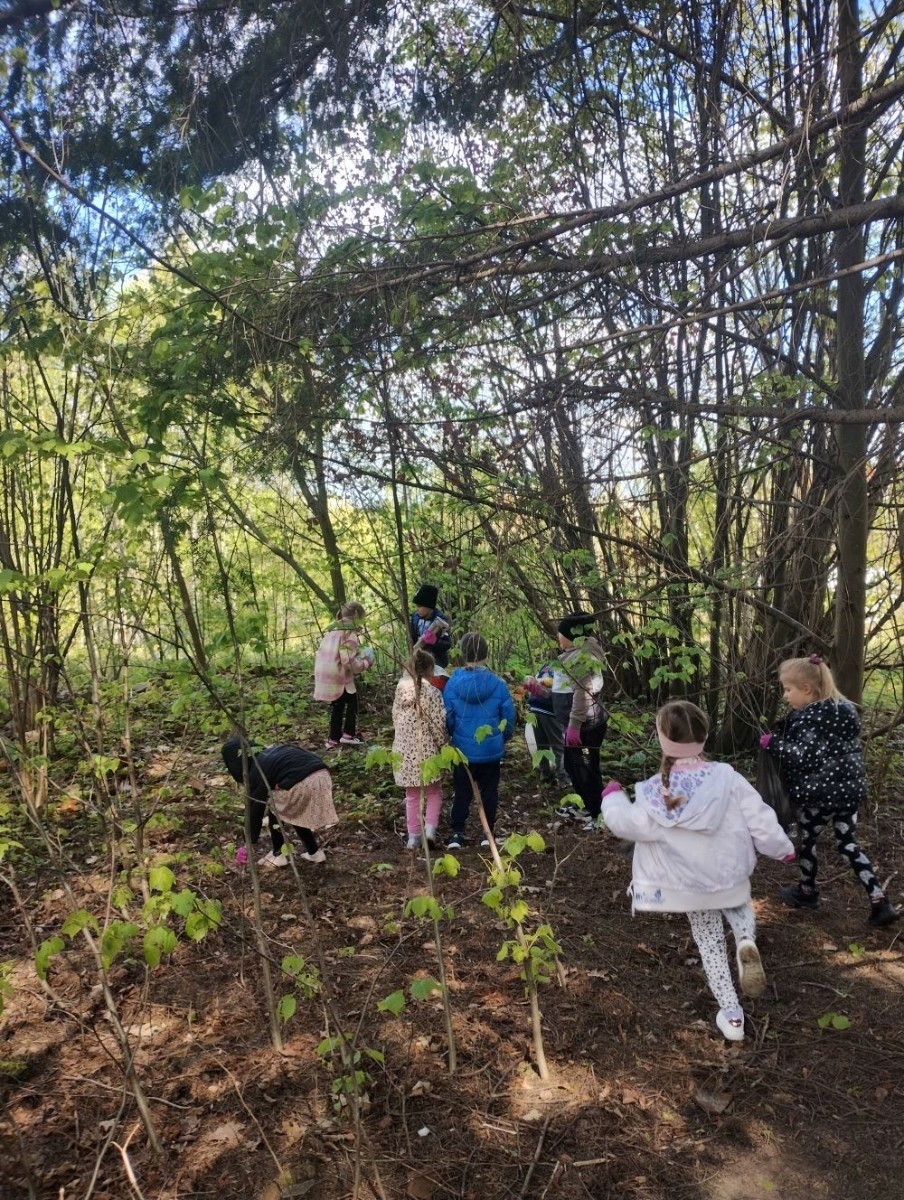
{"x": 645, "y": 1100}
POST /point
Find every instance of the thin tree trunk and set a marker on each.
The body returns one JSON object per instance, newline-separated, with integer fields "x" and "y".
{"x": 852, "y": 509}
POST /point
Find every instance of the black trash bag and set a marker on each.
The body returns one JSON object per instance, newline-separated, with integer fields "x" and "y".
{"x": 769, "y": 785}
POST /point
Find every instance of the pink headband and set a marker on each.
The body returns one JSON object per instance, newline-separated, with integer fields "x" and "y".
{"x": 679, "y": 749}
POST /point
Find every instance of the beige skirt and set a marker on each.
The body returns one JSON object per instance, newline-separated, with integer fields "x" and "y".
{"x": 309, "y": 803}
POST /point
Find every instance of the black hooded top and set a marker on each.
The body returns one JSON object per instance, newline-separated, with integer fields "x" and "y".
{"x": 276, "y": 767}
{"x": 819, "y": 756}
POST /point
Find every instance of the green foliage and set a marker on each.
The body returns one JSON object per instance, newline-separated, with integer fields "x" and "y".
{"x": 446, "y": 864}
{"x": 427, "y": 906}
{"x": 47, "y": 949}
{"x": 305, "y": 980}
{"x": 6, "y": 988}
{"x": 535, "y": 951}
{"x": 116, "y": 937}
{"x": 344, "y": 1060}
{"x": 393, "y": 1003}
{"x": 836, "y": 1021}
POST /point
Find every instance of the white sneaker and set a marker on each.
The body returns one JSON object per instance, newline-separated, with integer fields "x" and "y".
{"x": 751, "y": 975}
{"x": 430, "y": 834}
{"x": 273, "y": 860}
{"x": 349, "y": 739}
{"x": 731, "y": 1028}
{"x": 318, "y": 856}
{"x": 414, "y": 842}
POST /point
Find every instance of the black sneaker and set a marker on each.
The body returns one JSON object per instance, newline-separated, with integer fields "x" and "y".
{"x": 883, "y": 913}
{"x": 795, "y": 897}
{"x": 570, "y": 812}
{"x": 456, "y": 841}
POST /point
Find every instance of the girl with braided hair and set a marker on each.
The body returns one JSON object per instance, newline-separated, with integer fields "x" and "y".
{"x": 698, "y": 827}
{"x": 419, "y": 723}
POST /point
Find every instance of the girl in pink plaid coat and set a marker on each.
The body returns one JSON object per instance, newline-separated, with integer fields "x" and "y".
{"x": 339, "y": 658}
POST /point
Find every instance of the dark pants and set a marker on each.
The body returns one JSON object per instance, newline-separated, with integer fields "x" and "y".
{"x": 583, "y": 765}
{"x": 549, "y": 731}
{"x": 486, "y": 776}
{"x": 256, "y": 810}
{"x": 344, "y": 716}
{"x": 811, "y": 822}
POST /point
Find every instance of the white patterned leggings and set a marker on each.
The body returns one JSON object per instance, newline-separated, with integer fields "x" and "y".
{"x": 709, "y": 934}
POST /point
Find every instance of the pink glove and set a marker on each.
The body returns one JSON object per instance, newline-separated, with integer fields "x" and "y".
{"x": 765, "y": 740}
{"x": 612, "y": 786}
{"x": 789, "y": 857}
{"x": 241, "y": 856}
{"x": 535, "y": 688}
{"x": 429, "y": 638}
{"x": 573, "y": 738}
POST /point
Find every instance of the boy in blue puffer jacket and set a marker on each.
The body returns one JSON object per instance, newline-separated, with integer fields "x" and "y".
{"x": 476, "y": 699}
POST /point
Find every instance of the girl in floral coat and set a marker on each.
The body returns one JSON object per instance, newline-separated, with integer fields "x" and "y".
{"x": 419, "y": 717}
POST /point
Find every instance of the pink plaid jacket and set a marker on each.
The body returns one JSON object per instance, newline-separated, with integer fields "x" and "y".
{"x": 337, "y": 663}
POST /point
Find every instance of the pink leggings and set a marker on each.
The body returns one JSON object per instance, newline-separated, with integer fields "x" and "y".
{"x": 433, "y": 796}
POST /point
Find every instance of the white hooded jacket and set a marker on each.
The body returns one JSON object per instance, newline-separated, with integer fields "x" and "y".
{"x": 701, "y": 854}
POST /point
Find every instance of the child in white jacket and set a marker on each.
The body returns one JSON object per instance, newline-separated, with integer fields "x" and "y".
{"x": 697, "y": 827}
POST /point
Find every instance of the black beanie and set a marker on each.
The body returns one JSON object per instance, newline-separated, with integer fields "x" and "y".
{"x": 576, "y": 624}
{"x": 473, "y": 648}
{"x": 426, "y": 596}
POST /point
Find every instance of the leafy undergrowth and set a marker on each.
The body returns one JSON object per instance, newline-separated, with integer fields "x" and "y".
{"x": 644, "y": 1099}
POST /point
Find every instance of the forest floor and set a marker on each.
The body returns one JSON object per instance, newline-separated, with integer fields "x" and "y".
{"x": 645, "y": 1101}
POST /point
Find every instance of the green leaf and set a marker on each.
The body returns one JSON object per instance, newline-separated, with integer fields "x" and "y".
{"x": 393, "y": 1003}
{"x": 492, "y": 898}
{"x": 77, "y": 921}
{"x": 114, "y": 939}
{"x": 422, "y": 988}
{"x": 447, "y": 865}
{"x": 482, "y": 732}
{"x": 285, "y": 1010}
{"x": 46, "y": 951}
{"x": 519, "y": 911}
{"x": 536, "y": 843}
{"x": 157, "y": 941}
{"x": 183, "y": 902}
{"x": 161, "y": 879}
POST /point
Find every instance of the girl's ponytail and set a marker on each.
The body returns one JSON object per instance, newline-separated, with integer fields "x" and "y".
{"x": 814, "y": 674}
{"x": 670, "y": 801}
{"x": 420, "y": 666}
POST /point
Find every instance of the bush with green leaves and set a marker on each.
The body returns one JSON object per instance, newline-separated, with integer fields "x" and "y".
{"x": 536, "y": 950}
{"x": 199, "y": 915}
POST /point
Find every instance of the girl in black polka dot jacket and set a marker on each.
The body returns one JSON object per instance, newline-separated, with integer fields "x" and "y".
{"x": 820, "y": 759}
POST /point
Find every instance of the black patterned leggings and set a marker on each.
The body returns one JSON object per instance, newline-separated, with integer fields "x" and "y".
{"x": 811, "y": 823}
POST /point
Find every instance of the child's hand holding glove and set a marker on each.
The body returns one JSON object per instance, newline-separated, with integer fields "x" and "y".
{"x": 612, "y": 786}
{"x": 765, "y": 740}
{"x": 534, "y": 687}
{"x": 429, "y": 638}
{"x": 573, "y": 738}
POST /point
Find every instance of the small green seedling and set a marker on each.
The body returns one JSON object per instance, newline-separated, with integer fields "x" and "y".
{"x": 837, "y": 1021}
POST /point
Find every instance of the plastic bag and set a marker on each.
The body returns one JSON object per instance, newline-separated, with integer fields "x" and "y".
{"x": 769, "y": 785}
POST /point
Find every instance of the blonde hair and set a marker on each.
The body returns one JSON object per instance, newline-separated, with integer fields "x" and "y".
{"x": 351, "y": 610}
{"x": 813, "y": 675}
{"x": 679, "y": 721}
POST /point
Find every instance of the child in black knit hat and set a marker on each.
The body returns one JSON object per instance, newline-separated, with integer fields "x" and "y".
{"x": 429, "y": 626}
